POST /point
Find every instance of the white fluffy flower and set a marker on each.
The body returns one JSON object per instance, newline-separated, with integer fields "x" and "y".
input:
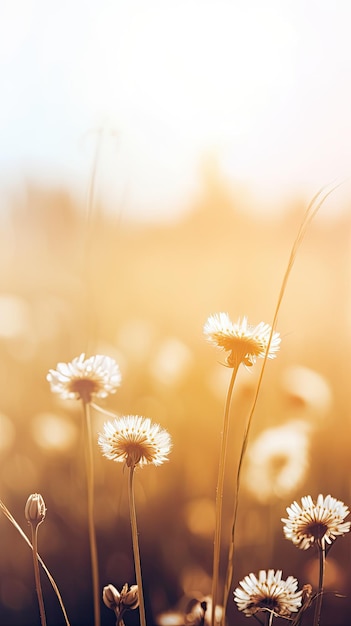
{"x": 268, "y": 592}
{"x": 243, "y": 342}
{"x": 135, "y": 440}
{"x": 313, "y": 522}
{"x": 84, "y": 378}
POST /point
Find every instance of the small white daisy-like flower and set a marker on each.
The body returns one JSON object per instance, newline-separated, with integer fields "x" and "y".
{"x": 313, "y": 522}
{"x": 268, "y": 592}
{"x": 135, "y": 440}
{"x": 243, "y": 342}
{"x": 84, "y": 378}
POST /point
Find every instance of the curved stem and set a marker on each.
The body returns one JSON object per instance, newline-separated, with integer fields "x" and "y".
{"x": 310, "y": 213}
{"x": 219, "y": 495}
{"x": 136, "y": 552}
{"x": 319, "y": 598}
{"x": 34, "y": 528}
{"x": 229, "y": 574}
{"x": 101, "y": 410}
{"x": 88, "y": 448}
{"x": 11, "y": 519}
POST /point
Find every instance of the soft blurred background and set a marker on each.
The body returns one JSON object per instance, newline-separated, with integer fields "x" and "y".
{"x": 156, "y": 162}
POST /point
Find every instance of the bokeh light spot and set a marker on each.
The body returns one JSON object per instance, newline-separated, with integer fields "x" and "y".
{"x": 277, "y": 461}
{"x": 200, "y": 517}
{"x": 171, "y": 362}
{"x": 8, "y": 433}
{"x": 14, "y": 316}
{"x": 307, "y": 389}
{"x": 53, "y": 432}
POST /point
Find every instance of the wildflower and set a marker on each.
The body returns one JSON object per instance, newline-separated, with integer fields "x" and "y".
{"x": 268, "y": 592}
{"x": 128, "y": 598}
{"x": 118, "y": 602}
{"x": 277, "y": 461}
{"x": 35, "y": 509}
{"x": 135, "y": 440}
{"x": 307, "y": 389}
{"x": 111, "y": 597}
{"x": 199, "y": 611}
{"x": 83, "y": 378}
{"x": 314, "y": 522}
{"x": 243, "y": 342}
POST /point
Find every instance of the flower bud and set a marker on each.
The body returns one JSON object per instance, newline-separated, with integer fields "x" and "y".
{"x": 130, "y": 599}
{"x": 111, "y": 597}
{"x": 127, "y": 600}
{"x": 35, "y": 509}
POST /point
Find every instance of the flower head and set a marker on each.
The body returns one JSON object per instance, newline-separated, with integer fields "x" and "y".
{"x": 277, "y": 461}
{"x": 243, "y": 342}
{"x": 118, "y": 602}
{"x": 268, "y": 592}
{"x": 83, "y": 378}
{"x": 35, "y": 509}
{"x": 313, "y": 522}
{"x": 135, "y": 440}
{"x": 199, "y": 612}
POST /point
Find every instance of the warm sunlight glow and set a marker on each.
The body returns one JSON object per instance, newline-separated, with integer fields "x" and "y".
{"x": 53, "y": 432}
{"x": 261, "y": 87}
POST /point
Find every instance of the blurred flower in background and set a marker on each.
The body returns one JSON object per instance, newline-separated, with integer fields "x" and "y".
{"x": 278, "y": 461}
{"x": 148, "y": 319}
{"x": 201, "y": 160}
{"x": 307, "y": 390}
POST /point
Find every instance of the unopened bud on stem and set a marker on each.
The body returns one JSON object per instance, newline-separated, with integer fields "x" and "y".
{"x": 130, "y": 597}
{"x": 120, "y": 602}
{"x": 111, "y": 597}
{"x": 35, "y": 509}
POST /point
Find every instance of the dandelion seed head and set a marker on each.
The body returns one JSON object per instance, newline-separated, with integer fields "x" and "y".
{"x": 244, "y": 343}
{"x": 268, "y": 592}
{"x": 311, "y": 522}
{"x": 84, "y": 378}
{"x": 135, "y": 440}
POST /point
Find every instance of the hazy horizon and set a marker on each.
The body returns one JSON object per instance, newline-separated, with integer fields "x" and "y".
{"x": 262, "y": 89}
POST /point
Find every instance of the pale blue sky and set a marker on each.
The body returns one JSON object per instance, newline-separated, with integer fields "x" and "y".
{"x": 263, "y": 86}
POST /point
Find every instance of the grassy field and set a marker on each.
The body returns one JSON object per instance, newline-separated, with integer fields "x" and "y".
{"x": 71, "y": 282}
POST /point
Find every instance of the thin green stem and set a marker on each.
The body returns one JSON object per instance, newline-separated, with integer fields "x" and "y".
{"x": 219, "y": 495}
{"x": 88, "y": 448}
{"x": 136, "y": 551}
{"x": 34, "y": 528}
{"x": 319, "y": 598}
